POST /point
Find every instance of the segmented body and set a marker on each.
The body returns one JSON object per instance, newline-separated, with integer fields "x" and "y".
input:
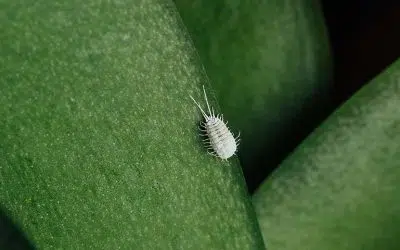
{"x": 220, "y": 140}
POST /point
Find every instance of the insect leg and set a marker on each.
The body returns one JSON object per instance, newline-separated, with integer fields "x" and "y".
{"x": 237, "y": 137}
{"x": 213, "y": 154}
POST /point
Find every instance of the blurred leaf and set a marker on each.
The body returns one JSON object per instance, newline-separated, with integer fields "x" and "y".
{"x": 340, "y": 188}
{"x": 269, "y": 62}
{"x": 99, "y": 144}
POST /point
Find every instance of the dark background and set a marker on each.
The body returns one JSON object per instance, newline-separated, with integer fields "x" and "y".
{"x": 365, "y": 39}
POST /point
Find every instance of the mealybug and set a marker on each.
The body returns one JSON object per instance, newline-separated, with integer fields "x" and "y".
{"x": 219, "y": 139}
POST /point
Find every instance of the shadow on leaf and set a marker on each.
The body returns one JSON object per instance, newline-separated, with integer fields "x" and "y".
{"x": 11, "y": 237}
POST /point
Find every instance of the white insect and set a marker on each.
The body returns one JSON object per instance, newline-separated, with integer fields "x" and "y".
{"x": 220, "y": 139}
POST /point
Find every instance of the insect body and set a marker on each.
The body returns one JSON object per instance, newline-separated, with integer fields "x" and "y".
{"x": 220, "y": 139}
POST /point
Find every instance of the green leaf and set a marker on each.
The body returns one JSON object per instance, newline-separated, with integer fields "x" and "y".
{"x": 340, "y": 188}
{"x": 269, "y": 62}
{"x": 99, "y": 144}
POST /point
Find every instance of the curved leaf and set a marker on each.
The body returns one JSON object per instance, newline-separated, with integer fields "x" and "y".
{"x": 99, "y": 144}
{"x": 340, "y": 188}
{"x": 269, "y": 62}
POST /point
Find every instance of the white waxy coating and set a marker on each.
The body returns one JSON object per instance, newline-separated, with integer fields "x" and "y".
{"x": 219, "y": 138}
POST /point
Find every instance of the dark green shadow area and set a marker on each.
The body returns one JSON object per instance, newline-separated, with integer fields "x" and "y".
{"x": 11, "y": 237}
{"x": 269, "y": 64}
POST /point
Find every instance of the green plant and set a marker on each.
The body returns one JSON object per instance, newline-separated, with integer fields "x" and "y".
{"x": 99, "y": 145}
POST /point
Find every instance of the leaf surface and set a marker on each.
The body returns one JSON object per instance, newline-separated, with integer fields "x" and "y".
{"x": 340, "y": 188}
{"x": 99, "y": 144}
